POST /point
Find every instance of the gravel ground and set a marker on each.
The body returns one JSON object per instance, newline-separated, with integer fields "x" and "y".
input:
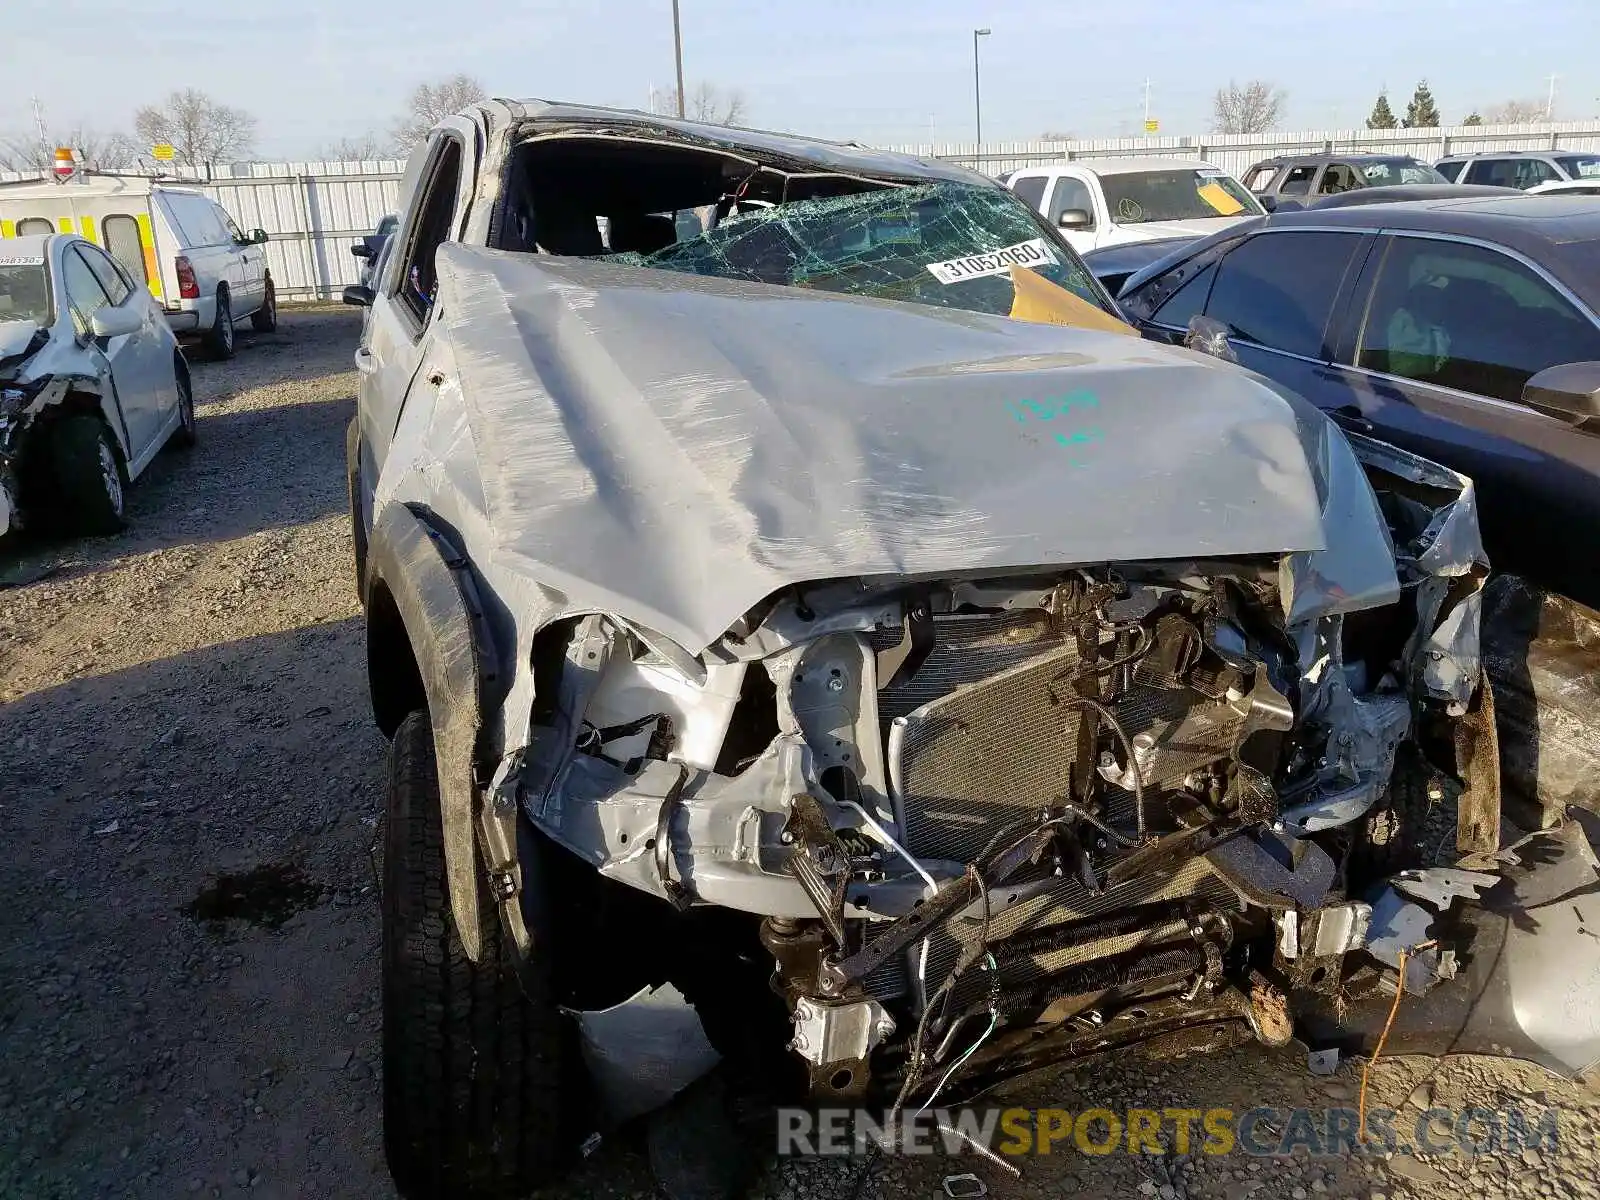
{"x": 189, "y": 789}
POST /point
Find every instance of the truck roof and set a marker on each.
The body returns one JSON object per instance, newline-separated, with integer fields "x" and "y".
{"x": 89, "y": 187}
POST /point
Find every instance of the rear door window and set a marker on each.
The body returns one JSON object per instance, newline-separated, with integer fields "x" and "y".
{"x": 1450, "y": 170}
{"x": 1469, "y": 318}
{"x": 1496, "y": 172}
{"x": 1277, "y": 289}
{"x": 1298, "y": 181}
{"x": 1339, "y": 177}
{"x": 1031, "y": 189}
{"x": 1260, "y": 177}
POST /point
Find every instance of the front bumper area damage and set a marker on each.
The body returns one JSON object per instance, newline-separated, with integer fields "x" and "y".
{"x": 987, "y": 824}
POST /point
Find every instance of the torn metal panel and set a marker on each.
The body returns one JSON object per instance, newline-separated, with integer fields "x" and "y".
{"x": 644, "y": 1051}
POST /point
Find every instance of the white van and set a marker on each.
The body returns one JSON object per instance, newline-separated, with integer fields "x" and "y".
{"x": 204, "y": 270}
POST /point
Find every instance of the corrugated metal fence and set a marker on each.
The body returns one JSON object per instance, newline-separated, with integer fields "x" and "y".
{"x": 314, "y": 211}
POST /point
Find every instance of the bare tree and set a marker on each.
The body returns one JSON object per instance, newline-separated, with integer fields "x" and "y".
{"x": 431, "y": 103}
{"x": 363, "y": 148}
{"x": 1050, "y": 135}
{"x": 198, "y": 128}
{"x": 1514, "y": 112}
{"x": 1252, "y": 108}
{"x": 705, "y": 102}
{"x": 100, "y": 151}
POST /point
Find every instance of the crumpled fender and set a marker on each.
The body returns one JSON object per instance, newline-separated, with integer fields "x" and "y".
{"x": 423, "y": 572}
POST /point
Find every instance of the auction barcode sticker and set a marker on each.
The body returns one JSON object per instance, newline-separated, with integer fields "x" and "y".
{"x": 1032, "y": 253}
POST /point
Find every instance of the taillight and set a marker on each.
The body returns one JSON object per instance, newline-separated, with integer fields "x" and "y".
{"x": 188, "y": 286}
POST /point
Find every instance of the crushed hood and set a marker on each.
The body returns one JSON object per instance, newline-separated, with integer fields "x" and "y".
{"x": 675, "y": 448}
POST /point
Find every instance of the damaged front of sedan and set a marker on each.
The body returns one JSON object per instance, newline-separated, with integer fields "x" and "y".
{"x": 794, "y": 658}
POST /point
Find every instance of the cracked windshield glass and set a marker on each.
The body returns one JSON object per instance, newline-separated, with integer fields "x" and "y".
{"x": 947, "y": 244}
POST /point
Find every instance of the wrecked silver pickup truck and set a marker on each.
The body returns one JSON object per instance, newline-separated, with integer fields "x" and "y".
{"x": 815, "y": 636}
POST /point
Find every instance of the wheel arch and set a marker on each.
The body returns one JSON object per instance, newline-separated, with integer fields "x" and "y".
{"x": 428, "y": 645}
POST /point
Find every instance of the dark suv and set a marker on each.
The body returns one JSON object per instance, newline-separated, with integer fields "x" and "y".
{"x": 1308, "y": 175}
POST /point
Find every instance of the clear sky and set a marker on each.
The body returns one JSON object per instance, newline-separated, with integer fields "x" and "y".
{"x": 878, "y": 70}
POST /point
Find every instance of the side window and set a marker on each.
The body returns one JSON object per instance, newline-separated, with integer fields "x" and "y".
{"x": 1337, "y": 178}
{"x": 1070, "y": 193}
{"x": 83, "y": 289}
{"x": 1031, "y": 189}
{"x": 1188, "y": 302}
{"x": 1497, "y": 172}
{"x": 1298, "y": 181}
{"x": 1450, "y": 170}
{"x": 228, "y": 225}
{"x": 111, "y": 278}
{"x": 1469, "y": 318}
{"x": 1260, "y": 177}
{"x": 436, "y": 206}
{"x": 1533, "y": 171}
{"x": 29, "y": 226}
{"x": 1277, "y": 290}
{"x": 122, "y": 239}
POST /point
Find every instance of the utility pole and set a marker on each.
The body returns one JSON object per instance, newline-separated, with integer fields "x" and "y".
{"x": 1147, "y": 106}
{"x": 677, "y": 52}
{"x": 38, "y": 123}
{"x": 1550, "y": 105}
{"x": 977, "y": 92}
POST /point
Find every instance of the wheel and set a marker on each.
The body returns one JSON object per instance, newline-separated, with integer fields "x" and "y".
{"x": 219, "y": 338}
{"x": 265, "y": 318}
{"x": 472, "y": 1096}
{"x": 188, "y": 430}
{"x": 87, "y": 474}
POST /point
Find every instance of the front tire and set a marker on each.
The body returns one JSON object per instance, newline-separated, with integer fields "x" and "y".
{"x": 87, "y": 475}
{"x": 472, "y": 1102}
{"x": 265, "y": 318}
{"x": 188, "y": 431}
{"x": 219, "y": 339}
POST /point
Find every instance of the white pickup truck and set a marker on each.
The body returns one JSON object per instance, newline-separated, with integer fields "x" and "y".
{"x": 1099, "y": 202}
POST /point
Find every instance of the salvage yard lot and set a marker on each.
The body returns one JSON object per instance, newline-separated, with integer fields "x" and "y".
{"x": 190, "y": 785}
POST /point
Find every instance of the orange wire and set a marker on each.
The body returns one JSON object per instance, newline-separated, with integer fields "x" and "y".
{"x": 1377, "y": 1051}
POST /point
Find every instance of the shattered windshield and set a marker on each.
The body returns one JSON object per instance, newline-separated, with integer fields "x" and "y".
{"x": 24, "y": 289}
{"x": 1183, "y": 195}
{"x": 947, "y": 244}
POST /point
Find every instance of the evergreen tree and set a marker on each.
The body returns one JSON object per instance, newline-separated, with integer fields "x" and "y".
{"x": 1422, "y": 112}
{"x": 1473, "y": 119}
{"x": 1382, "y": 115}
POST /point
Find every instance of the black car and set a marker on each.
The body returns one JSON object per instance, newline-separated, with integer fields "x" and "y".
{"x": 1303, "y": 176}
{"x": 1433, "y": 325}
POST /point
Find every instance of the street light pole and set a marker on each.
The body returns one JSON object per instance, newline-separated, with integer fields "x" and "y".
{"x": 977, "y": 86}
{"x": 677, "y": 51}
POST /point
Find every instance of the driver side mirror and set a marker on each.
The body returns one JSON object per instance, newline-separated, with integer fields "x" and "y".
{"x": 258, "y": 236}
{"x": 1269, "y": 202}
{"x": 1570, "y": 391}
{"x": 358, "y": 295}
{"x": 1075, "y": 218}
{"x": 115, "y": 322}
{"x": 361, "y": 250}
